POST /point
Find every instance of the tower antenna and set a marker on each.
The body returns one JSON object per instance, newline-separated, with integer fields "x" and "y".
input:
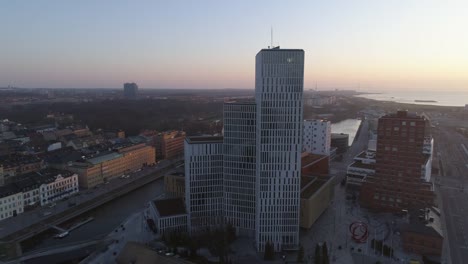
{"x": 271, "y": 37}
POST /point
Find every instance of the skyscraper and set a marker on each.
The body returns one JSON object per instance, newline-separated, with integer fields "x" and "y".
{"x": 261, "y": 158}
{"x": 240, "y": 166}
{"x": 403, "y": 165}
{"x": 279, "y": 81}
{"x": 130, "y": 90}
{"x": 204, "y": 182}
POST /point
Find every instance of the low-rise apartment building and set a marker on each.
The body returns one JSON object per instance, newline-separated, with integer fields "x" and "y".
{"x": 36, "y": 188}
{"x": 169, "y": 144}
{"x": 101, "y": 167}
{"x": 17, "y": 164}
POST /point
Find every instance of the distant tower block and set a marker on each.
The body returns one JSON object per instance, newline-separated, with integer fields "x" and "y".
{"x": 130, "y": 90}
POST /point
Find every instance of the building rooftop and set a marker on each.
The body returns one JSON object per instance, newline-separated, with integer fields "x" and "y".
{"x": 104, "y": 157}
{"x": 169, "y": 207}
{"x": 366, "y": 154}
{"x": 204, "y": 139}
{"x": 314, "y": 186}
{"x": 279, "y": 49}
{"x": 308, "y": 159}
{"x": 17, "y": 159}
{"x": 359, "y": 164}
{"x": 428, "y": 225}
{"x": 33, "y": 180}
{"x": 339, "y": 135}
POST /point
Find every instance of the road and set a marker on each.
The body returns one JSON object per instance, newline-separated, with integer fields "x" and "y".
{"x": 452, "y": 188}
{"x": 29, "y": 218}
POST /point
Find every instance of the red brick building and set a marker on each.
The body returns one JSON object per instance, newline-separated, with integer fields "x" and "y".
{"x": 403, "y": 164}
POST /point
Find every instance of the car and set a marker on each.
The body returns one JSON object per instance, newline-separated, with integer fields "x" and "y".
{"x": 62, "y": 235}
{"x": 52, "y": 205}
{"x": 127, "y": 176}
{"x": 169, "y": 254}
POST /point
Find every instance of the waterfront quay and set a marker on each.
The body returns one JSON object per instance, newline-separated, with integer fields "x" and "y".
{"x": 15, "y": 231}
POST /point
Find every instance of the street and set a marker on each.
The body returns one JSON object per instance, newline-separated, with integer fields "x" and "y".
{"x": 28, "y": 218}
{"x": 451, "y": 187}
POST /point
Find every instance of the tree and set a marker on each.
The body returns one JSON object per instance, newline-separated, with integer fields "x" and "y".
{"x": 269, "y": 251}
{"x": 318, "y": 259}
{"x": 300, "y": 254}
{"x": 230, "y": 233}
{"x": 325, "y": 259}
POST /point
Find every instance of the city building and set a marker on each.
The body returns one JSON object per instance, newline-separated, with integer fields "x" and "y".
{"x": 204, "y": 181}
{"x": 11, "y": 201}
{"x": 317, "y": 137}
{"x": 17, "y": 164}
{"x": 279, "y": 81}
{"x": 403, "y": 165}
{"x": 169, "y": 215}
{"x": 174, "y": 185}
{"x": 100, "y": 167}
{"x": 239, "y": 149}
{"x": 423, "y": 233}
{"x": 314, "y": 164}
{"x": 169, "y": 144}
{"x": 340, "y": 142}
{"x": 130, "y": 90}
{"x": 362, "y": 167}
{"x": 251, "y": 177}
{"x": 316, "y": 195}
{"x": 36, "y": 188}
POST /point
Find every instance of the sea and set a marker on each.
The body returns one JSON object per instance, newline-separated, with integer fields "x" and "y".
{"x": 442, "y": 98}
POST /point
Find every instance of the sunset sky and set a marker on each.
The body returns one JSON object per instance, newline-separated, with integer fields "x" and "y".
{"x": 381, "y": 45}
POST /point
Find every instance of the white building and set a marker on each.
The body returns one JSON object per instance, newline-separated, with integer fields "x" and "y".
{"x": 428, "y": 149}
{"x": 240, "y": 166}
{"x": 279, "y": 81}
{"x": 169, "y": 215}
{"x": 362, "y": 167}
{"x": 317, "y": 137}
{"x": 11, "y": 201}
{"x": 57, "y": 185}
{"x": 204, "y": 181}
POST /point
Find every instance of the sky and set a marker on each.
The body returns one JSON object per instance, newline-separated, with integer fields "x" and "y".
{"x": 360, "y": 44}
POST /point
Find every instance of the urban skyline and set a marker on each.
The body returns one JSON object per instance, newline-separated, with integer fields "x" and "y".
{"x": 366, "y": 44}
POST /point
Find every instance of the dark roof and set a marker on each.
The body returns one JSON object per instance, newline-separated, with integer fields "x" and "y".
{"x": 425, "y": 227}
{"x": 359, "y": 164}
{"x": 204, "y": 139}
{"x": 169, "y": 207}
{"x": 339, "y": 135}
{"x": 32, "y": 180}
{"x": 278, "y": 49}
{"x": 8, "y": 190}
{"x": 310, "y": 159}
{"x": 312, "y": 188}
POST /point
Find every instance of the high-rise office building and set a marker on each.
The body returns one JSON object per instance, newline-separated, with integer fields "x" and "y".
{"x": 260, "y": 157}
{"x": 279, "y": 81}
{"x": 204, "y": 182}
{"x": 317, "y": 137}
{"x": 130, "y": 90}
{"x": 403, "y": 165}
{"x": 240, "y": 166}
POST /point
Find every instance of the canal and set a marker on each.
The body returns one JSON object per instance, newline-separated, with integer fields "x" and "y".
{"x": 106, "y": 217}
{"x": 348, "y": 126}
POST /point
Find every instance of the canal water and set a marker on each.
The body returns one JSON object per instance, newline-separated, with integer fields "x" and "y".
{"x": 106, "y": 217}
{"x": 348, "y": 126}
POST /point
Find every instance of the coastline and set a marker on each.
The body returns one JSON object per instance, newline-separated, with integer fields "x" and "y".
{"x": 423, "y": 99}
